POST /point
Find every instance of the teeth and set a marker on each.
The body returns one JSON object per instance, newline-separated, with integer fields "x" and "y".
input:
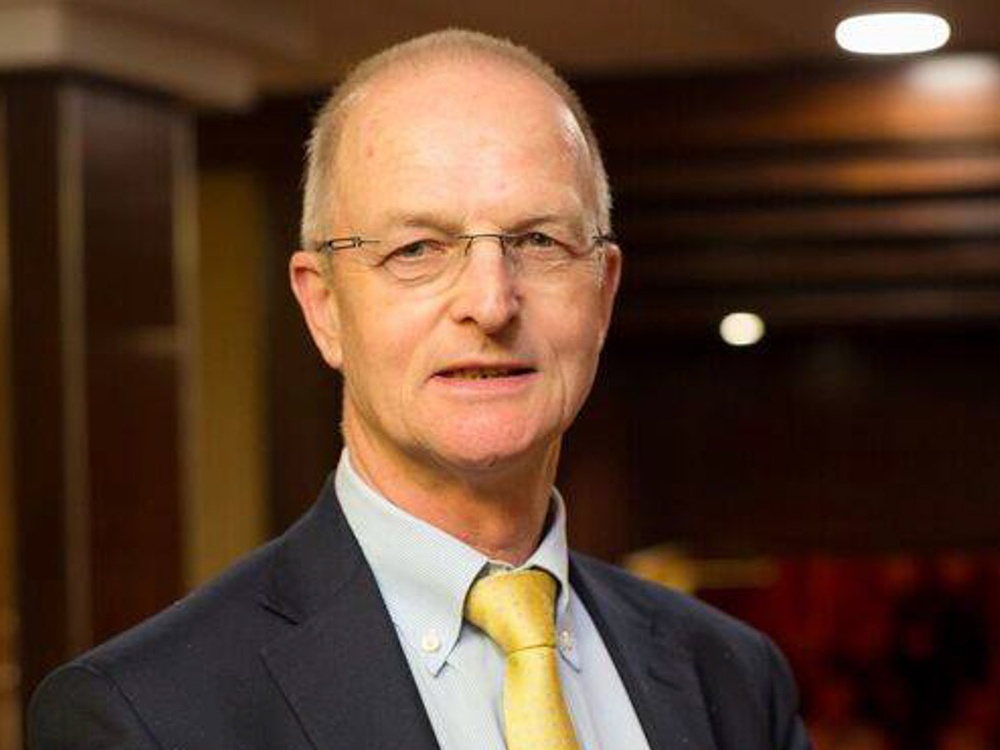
{"x": 479, "y": 374}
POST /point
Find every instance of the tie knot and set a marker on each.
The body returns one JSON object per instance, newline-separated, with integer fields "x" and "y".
{"x": 516, "y": 610}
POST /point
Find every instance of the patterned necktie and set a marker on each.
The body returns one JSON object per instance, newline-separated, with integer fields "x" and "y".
{"x": 517, "y": 610}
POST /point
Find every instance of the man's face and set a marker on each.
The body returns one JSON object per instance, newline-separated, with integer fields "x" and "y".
{"x": 491, "y": 369}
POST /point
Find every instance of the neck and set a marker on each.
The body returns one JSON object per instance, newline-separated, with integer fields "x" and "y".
{"x": 499, "y": 511}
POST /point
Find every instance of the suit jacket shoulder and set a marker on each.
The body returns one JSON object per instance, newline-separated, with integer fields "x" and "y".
{"x": 697, "y": 676}
{"x": 276, "y": 653}
{"x": 153, "y": 685}
{"x": 293, "y": 648}
{"x": 696, "y": 623}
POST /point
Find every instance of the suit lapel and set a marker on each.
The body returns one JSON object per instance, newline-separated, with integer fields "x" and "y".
{"x": 344, "y": 675}
{"x": 656, "y": 666}
{"x": 341, "y": 667}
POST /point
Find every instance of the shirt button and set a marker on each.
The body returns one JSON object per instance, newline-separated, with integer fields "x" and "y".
{"x": 566, "y": 640}
{"x": 430, "y": 642}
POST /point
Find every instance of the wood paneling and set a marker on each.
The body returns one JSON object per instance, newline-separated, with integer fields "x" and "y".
{"x": 10, "y": 704}
{"x": 843, "y": 176}
{"x": 705, "y": 268}
{"x": 853, "y": 441}
{"x": 969, "y": 218}
{"x": 863, "y": 105}
{"x": 38, "y": 412}
{"x": 134, "y": 356}
{"x": 858, "y": 214}
{"x": 303, "y": 394}
{"x": 229, "y": 513}
{"x": 849, "y": 194}
{"x": 98, "y": 358}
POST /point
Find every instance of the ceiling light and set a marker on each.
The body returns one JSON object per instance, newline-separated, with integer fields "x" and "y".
{"x": 956, "y": 75}
{"x": 892, "y": 33}
{"x": 741, "y": 329}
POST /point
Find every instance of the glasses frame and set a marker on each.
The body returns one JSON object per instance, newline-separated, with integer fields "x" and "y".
{"x": 356, "y": 241}
{"x": 351, "y": 242}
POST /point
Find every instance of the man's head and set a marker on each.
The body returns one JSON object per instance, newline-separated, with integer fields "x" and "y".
{"x": 453, "y": 45}
{"x": 457, "y": 134}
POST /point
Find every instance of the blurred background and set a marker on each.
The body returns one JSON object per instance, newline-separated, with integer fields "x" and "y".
{"x": 835, "y": 481}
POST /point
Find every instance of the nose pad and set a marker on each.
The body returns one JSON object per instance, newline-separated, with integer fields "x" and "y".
{"x": 501, "y": 240}
{"x": 471, "y": 238}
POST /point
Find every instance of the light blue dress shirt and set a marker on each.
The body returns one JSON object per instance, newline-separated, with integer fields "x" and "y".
{"x": 424, "y": 574}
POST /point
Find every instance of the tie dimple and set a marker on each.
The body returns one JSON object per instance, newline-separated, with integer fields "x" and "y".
{"x": 517, "y": 610}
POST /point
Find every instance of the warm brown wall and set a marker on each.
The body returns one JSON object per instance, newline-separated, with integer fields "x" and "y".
{"x": 834, "y": 195}
{"x": 859, "y": 214}
{"x": 228, "y": 513}
{"x": 840, "y": 440}
{"x": 99, "y": 258}
{"x": 302, "y": 396}
{"x": 10, "y": 709}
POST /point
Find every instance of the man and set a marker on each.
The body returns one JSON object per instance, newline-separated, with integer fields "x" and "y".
{"x": 459, "y": 272}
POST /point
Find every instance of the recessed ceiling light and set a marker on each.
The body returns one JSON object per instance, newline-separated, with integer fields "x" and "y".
{"x": 892, "y": 33}
{"x": 741, "y": 329}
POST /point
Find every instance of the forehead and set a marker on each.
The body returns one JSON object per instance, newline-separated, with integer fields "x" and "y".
{"x": 469, "y": 137}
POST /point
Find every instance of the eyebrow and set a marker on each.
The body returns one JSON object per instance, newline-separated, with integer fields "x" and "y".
{"x": 422, "y": 220}
{"x": 543, "y": 220}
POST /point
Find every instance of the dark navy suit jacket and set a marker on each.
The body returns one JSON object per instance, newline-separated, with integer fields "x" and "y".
{"x": 293, "y": 649}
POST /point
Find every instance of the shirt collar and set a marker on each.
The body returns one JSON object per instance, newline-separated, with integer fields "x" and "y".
{"x": 425, "y": 573}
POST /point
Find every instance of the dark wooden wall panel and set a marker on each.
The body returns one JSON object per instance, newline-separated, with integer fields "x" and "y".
{"x": 857, "y": 441}
{"x": 98, "y": 355}
{"x": 134, "y": 350}
{"x": 10, "y": 698}
{"x": 789, "y": 110}
{"x": 858, "y": 214}
{"x": 805, "y": 193}
{"x": 37, "y": 395}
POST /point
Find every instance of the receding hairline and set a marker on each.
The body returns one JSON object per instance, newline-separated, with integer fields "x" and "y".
{"x": 443, "y": 47}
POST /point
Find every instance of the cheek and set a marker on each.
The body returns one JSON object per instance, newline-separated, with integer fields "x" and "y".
{"x": 385, "y": 345}
{"x": 576, "y": 323}
{"x": 574, "y": 340}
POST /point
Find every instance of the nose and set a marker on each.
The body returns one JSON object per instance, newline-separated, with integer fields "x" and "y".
{"x": 486, "y": 292}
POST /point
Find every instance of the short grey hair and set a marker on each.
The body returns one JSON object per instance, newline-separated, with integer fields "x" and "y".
{"x": 450, "y": 44}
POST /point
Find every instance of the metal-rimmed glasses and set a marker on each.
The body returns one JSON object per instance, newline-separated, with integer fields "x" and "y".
{"x": 442, "y": 256}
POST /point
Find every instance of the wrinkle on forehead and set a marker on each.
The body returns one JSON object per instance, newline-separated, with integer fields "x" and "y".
{"x": 429, "y": 113}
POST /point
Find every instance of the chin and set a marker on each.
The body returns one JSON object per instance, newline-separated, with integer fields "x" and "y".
{"x": 491, "y": 453}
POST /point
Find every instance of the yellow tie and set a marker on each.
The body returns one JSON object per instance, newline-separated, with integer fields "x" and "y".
{"x": 517, "y": 610}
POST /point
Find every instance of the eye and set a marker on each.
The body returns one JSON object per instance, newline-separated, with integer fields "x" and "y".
{"x": 418, "y": 260}
{"x": 411, "y": 251}
{"x": 533, "y": 241}
{"x": 415, "y": 252}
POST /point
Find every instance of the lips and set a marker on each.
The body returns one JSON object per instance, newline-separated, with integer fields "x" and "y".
{"x": 485, "y": 372}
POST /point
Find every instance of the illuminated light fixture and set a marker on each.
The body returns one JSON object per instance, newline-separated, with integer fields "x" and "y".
{"x": 892, "y": 33}
{"x": 741, "y": 329}
{"x": 956, "y": 75}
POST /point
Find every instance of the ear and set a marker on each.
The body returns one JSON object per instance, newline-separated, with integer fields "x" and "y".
{"x": 612, "y": 274}
{"x": 313, "y": 289}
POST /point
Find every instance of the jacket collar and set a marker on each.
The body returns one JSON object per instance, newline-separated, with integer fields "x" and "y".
{"x": 341, "y": 656}
{"x": 424, "y": 573}
{"x": 654, "y": 660}
{"x": 341, "y": 662}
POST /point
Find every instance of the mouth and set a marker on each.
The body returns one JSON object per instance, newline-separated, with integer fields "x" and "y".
{"x": 485, "y": 373}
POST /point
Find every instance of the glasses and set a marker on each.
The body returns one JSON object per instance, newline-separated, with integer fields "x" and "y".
{"x": 442, "y": 257}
